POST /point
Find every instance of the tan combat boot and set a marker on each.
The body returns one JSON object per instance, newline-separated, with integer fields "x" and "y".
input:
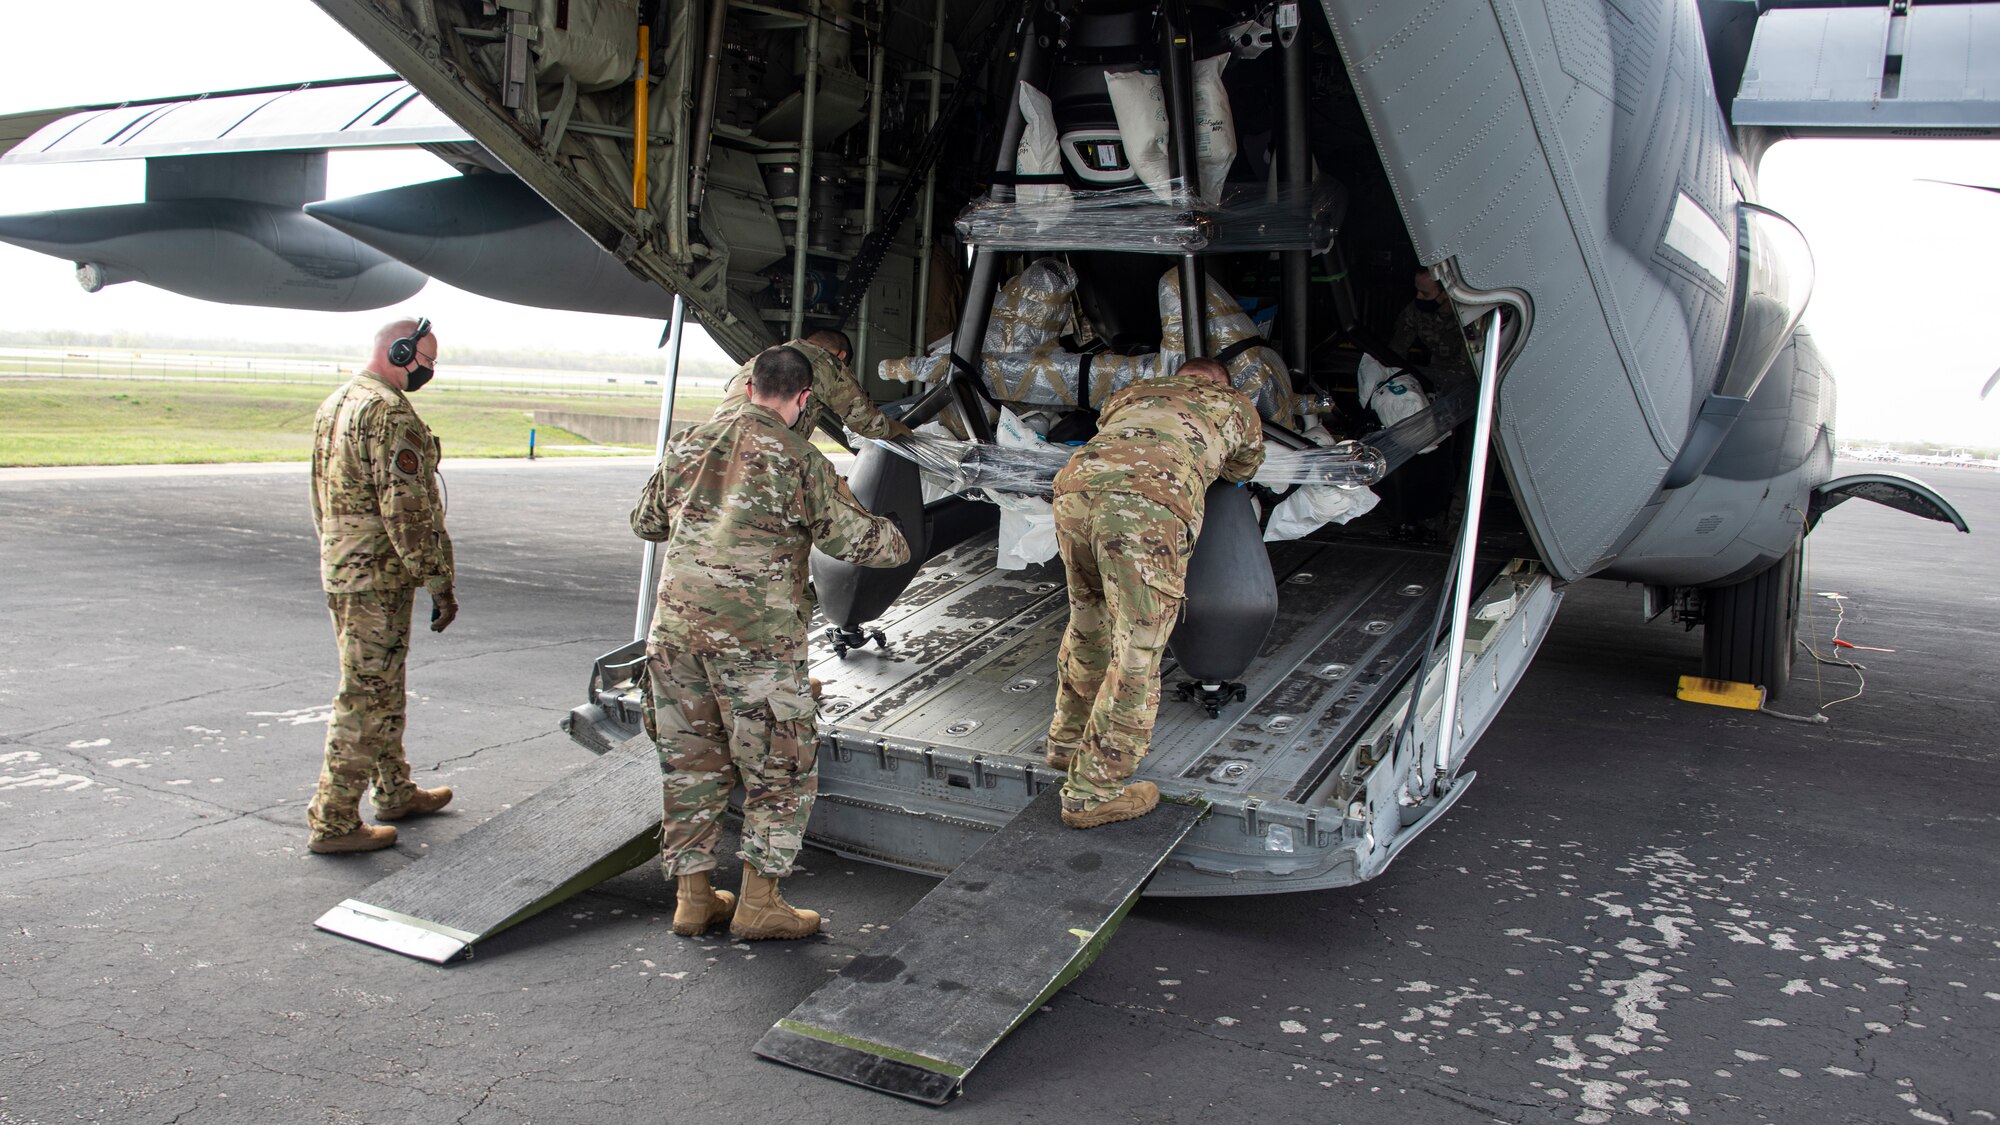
{"x": 1138, "y": 799}
{"x": 697, "y": 906}
{"x": 366, "y": 838}
{"x": 763, "y": 914}
{"x": 422, "y": 802}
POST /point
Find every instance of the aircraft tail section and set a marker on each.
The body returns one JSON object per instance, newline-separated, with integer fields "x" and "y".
{"x": 1912, "y": 71}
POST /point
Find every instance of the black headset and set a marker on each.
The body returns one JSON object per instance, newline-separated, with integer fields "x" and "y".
{"x": 405, "y": 349}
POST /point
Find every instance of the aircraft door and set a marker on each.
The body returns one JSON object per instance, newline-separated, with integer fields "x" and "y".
{"x": 1571, "y": 151}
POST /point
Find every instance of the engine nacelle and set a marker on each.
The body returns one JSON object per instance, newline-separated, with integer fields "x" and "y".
{"x": 229, "y": 250}
{"x": 492, "y": 235}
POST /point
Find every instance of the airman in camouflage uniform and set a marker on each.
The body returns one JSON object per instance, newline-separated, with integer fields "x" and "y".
{"x": 1432, "y": 319}
{"x": 1128, "y": 508}
{"x": 739, "y": 502}
{"x": 380, "y": 521}
{"x": 1429, "y": 335}
{"x": 834, "y": 388}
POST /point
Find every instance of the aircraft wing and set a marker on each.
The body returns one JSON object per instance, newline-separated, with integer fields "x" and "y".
{"x": 351, "y": 113}
{"x": 18, "y": 127}
{"x": 609, "y": 146}
{"x": 231, "y": 176}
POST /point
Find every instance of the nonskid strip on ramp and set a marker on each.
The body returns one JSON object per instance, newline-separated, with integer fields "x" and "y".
{"x": 1020, "y": 918}
{"x": 599, "y": 821}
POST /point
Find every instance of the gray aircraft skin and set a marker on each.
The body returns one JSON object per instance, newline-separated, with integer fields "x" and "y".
{"x": 223, "y": 228}
{"x": 1578, "y": 174}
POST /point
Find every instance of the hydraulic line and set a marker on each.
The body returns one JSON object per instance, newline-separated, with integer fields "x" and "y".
{"x": 639, "y": 119}
{"x": 1177, "y": 85}
{"x": 704, "y": 104}
{"x": 1296, "y": 158}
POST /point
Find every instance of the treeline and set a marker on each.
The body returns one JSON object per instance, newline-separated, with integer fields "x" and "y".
{"x": 1915, "y": 448}
{"x": 534, "y": 359}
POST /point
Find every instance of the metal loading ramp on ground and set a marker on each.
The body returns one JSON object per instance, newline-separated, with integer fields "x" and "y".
{"x": 598, "y": 822}
{"x": 1012, "y": 924}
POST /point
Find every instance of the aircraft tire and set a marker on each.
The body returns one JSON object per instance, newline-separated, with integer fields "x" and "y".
{"x": 1751, "y": 628}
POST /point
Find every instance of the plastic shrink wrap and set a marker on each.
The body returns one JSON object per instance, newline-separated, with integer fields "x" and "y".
{"x": 1030, "y": 469}
{"x": 1313, "y": 506}
{"x": 1025, "y": 364}
{"x": 1248, "y": 220}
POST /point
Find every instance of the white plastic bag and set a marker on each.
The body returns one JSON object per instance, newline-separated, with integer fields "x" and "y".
{"x": 1027, "y": 523}
{"x": 1316, "y": 505}
{"x": 1039, "y": 156}
{"x": 1139, "y": 104}
{"x": 1392, "y": 397}
{"x": 1214, "y": 126}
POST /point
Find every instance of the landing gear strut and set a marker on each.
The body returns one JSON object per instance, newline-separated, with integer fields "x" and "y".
{"x": 1212, "y": 696}
{"x": 853, "y": 636}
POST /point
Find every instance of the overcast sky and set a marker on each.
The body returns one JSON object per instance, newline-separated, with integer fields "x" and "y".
{"x": 111, "y": 50}
{"x": 1901, "y": 306}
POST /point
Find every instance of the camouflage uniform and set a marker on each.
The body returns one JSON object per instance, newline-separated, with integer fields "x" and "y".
{"x": 1450, "y": 362}
{"x": 739, "y": 502}
{"x": 1425, "y": 492}
{"x": 381, "y": 532}
{"x": 1128, "y": 508}
{"x": 834, "y": 388}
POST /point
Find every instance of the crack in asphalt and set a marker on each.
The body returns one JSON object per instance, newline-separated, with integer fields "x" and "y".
{"x": 234, "y": 816}
{"x": 109, "y": 715}
{"x": 503, "y": 651}
{"x": 442, "y": 762}
{"x": 488, "y": 1093}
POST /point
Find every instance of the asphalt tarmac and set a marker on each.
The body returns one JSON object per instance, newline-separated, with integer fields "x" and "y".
{"x": 1643, "y": 909}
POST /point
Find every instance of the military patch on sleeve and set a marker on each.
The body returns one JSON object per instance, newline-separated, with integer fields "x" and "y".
{"x": 406, "y": 462}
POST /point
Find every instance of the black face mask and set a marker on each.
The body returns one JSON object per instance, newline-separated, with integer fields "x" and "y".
{"x": 1427, "y": 306}
{"x": 417, "y": 376}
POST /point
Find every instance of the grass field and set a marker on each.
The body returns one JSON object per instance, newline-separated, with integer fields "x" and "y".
{"x": 113, "y": 422}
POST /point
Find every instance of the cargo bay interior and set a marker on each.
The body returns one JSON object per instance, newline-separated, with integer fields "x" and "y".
{"x": 1065, "y": 257}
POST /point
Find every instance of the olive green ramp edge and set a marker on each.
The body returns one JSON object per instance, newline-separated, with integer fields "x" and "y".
{"x": 1014, "y": 923}
{"x": 601, "y": 820}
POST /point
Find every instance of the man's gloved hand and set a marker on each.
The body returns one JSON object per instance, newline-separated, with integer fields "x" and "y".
{"x": 444, "y": 610}
{"x": 898, "y": 430}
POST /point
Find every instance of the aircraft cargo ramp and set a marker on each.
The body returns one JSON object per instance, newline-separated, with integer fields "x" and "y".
{"x": 931, "y": 745}
{"x": 935, "y": 743}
